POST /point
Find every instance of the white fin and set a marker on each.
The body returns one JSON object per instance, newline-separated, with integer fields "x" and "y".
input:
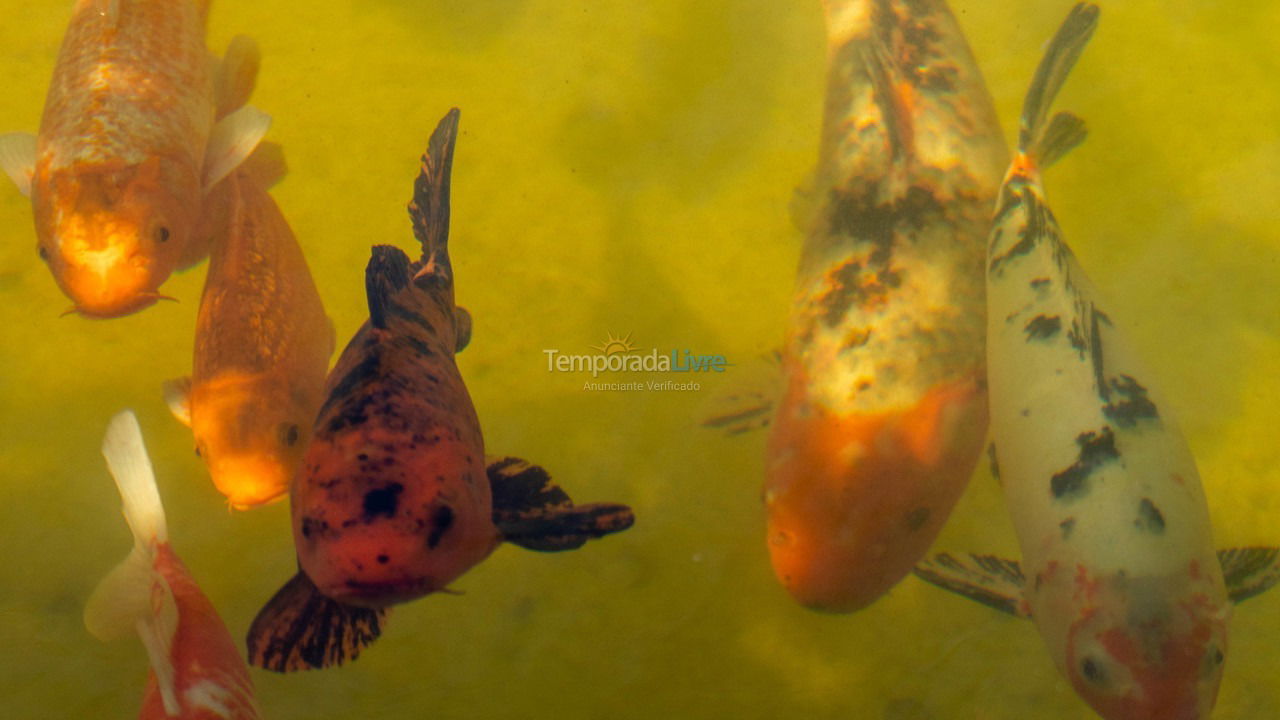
{"x": 232, "y": 141}
{"x": 177, "y": 395}
{"x": 18, "y": 159}
{"x": 267, "y": 164}
{"x": 237, "y": 74}
{"x": 134, "y": 595}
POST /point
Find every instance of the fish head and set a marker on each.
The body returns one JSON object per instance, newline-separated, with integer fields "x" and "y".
{"x": 382, "y": 522}
{"x": 1148, "y": 649}
{"x": 250, "y": 438}
{"x": 112, "y": 234}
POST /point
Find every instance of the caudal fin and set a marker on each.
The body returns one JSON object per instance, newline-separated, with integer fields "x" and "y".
{"x": 134, "y": 596}
{"x": 1044, "y": 144}
{"x": 429, "y": 207}
{"x": 301, "y": 629}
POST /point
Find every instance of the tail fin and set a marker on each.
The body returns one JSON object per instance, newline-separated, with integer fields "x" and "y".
{"x": 1065, "y": 131}
{"x": 134, "y": 595}
{"x": 429, "y": 207}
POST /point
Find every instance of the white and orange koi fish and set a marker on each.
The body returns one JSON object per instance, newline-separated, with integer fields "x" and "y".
{"x": 884, "y": 409}
{"x": 1121, "y": 577}
{"x": 196, "y": 670}
{"x": 262, "y": 344}
{"x": 128, "y": 146}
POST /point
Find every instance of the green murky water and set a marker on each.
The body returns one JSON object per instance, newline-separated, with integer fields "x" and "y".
{"x": 626, "y": 167}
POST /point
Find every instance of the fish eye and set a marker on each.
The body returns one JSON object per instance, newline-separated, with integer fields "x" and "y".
{"x": 162, "y": 234}
{"x": 198, "y": 453}
{"x": 1092, "y": 671}
{"x": 43, "y": 252}
{"x": 289, "y": 434}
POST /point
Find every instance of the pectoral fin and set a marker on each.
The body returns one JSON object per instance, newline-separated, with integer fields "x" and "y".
{"x": 533, "y": 512}
{"x": 992, "y": 581}
{"x": 1249, "y": 571}
{"x": 749, "y": 402}
{"x": 177, "y": 395}
{"x": 237, "y": 74}
{"x": 300, "y": 629}
{"x": 18, "y": 159}
{"x": 232, "y": 141}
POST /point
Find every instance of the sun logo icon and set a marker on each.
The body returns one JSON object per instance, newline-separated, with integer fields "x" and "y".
{"x": 614, "y": 345}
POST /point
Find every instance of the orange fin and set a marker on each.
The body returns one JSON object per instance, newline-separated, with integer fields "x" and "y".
{"x": 533, "y": 512}
{"x": 300, "y": 629}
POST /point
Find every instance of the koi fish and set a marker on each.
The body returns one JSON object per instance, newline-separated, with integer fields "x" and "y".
{"x": 394, "y": 500}
{"x": 128, "y": 146}
{"x": 262, "y": 346}
{"x": 884, "y": 409}
{"x": 1121, "y": 577}
{"x": 196, "y": 670}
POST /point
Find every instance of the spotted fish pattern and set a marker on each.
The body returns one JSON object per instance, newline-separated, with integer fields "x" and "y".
{"x": 1121, "y": 576}
{"x": 884, "y": 408}
{"x": 395, "y": 498}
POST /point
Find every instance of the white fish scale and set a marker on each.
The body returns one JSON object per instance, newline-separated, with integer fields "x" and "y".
{"x": 146, "y": 91}
{"x": 1044, "y": 398}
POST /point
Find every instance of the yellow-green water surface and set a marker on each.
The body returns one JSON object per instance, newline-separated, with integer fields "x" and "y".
{"x": 626, "y": 167}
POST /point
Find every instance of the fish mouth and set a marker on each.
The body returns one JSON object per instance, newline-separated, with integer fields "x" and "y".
{"x": 377, "y": 594}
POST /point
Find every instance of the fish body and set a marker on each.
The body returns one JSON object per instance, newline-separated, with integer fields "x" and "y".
{"x": 884, "y": 408}
{"x": 126, "y": 148}
{"x": 395, "y": 498}
{"x": 1122, "y": 579}
{"x": 262, "y": 347}
{"x": 197, "y": 672}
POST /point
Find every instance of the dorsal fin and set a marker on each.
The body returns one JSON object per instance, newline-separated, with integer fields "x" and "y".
{"x": 386, "y": 274}
{"x": 429, "y": 207}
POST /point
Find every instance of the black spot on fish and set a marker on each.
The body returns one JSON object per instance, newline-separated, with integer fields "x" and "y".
{"x": 1043, "y": 327}
{"x": 441, "y": 520}
{"x": 368, "y": 370}
{"x": 383, "y": 559}
{"x": 1040, "y": 282}
{"x": 397, "y": 310}
{"x": 1149, "y": 518}
{"x": 1096, "y": 448}
{"x": 1132, "y": 403}
{"x": 312, "y": 526}
{"x": 382, "y": 501}
{"x": 1028, "y": 235}
{"x": 917, "y": 518}
{"x": 1093, "y": 672}
{"x": 1067, "y": 526}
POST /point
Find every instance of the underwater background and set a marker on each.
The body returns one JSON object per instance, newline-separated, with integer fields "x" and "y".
{"x": 627, "y": 168}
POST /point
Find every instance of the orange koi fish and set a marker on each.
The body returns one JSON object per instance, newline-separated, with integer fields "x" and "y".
{"x": 1121, "y": 577}
{"x": 262, "y": 346}
{"x": 128, "y": 146}
{"x": 196, "y": 670}
{"x": 394, "y": 500}
{"x": 884, "y": 408}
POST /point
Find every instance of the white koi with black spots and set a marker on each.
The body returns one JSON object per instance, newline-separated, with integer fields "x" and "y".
{"x": 1121, "y": 576}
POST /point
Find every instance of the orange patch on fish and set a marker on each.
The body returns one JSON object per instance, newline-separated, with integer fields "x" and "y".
{"x": 854, "y": 500}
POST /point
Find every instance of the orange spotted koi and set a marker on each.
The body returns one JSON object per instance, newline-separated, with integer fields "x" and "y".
{"x": 1118, "y": 566}
{"x": 884, "y": 409}
{"x": 262, "y": 346}
{"x": 395, "y": 498}
{"x": 128, "y": 146}
{"x": 196, "y": 669}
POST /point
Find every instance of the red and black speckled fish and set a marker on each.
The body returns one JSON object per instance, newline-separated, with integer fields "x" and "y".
{"x": 395, "y": 498}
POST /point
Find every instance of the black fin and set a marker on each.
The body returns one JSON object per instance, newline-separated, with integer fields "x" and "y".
{"x": 386, "y": 274}
{"x": 992, "y": 581}
{"x": 1249, "y": 571}
{"x": 533, "y": 512}
{"x": 1059, "y": 58}
{"x": 300, "y": 629}
{"x": 462, "y": 328}
{"x": 429, "y": 207}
